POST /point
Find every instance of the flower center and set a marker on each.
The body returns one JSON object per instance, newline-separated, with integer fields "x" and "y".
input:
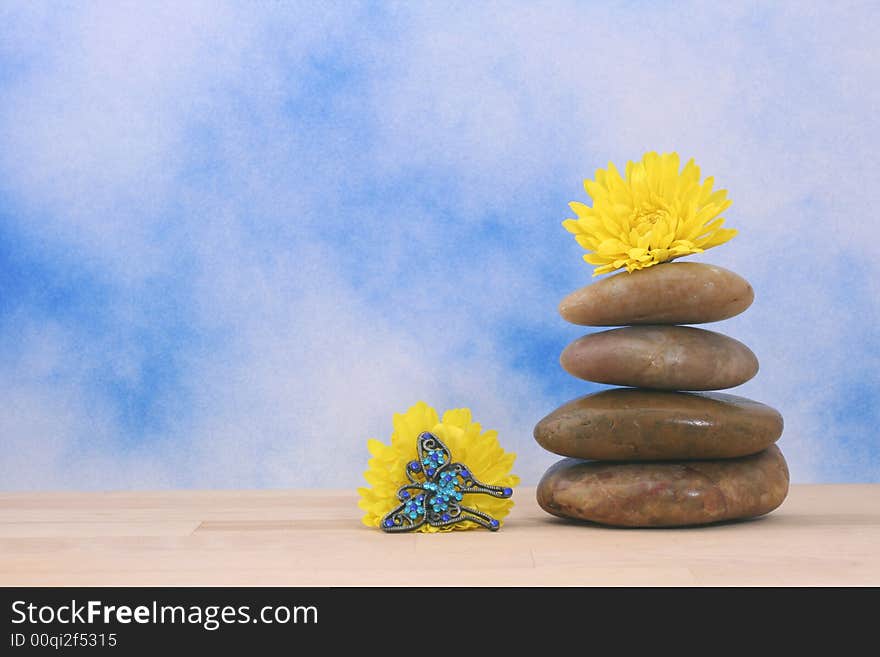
{"x": 644, "y": 218}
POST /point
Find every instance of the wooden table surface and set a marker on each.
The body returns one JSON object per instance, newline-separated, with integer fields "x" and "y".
{"x": 822, "y": 535}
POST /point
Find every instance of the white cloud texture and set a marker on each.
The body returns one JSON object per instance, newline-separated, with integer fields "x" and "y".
{"x": 249, "y": 233}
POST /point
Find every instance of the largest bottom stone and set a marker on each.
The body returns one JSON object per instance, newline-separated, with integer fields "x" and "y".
{"x": 665, "y": 494}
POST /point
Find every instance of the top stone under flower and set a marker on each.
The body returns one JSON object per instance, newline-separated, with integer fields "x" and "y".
{"x": 655, "y": 214}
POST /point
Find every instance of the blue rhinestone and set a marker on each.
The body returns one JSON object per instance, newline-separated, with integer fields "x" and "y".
{"x": 415, "y": 466}
{"x": 464, "y": 473}
{"x": 389, "y": 522}
{"x": 404, "y": 494}
{"x": 508, "y": 491}
{"x": 444, "y": 517}
{"x": 430, "y": 471}
{"x": 493, "y": 523}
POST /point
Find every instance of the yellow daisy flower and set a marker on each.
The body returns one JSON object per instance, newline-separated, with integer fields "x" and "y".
{"x": 657, "y": 213}
{"x": 479, "y": 450}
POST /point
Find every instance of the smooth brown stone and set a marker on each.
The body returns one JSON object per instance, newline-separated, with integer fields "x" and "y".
{"x": 665, "y": 494}
{"x": 639, "y": 425}
{"x": 661, "y": 357}
{"x": 671, "y": 293}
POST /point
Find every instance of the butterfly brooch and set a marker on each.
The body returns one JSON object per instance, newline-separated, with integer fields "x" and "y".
{"x": 435, "y": 491}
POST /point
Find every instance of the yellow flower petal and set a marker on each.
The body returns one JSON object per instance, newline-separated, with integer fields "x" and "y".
{"x": 572, "y": 226}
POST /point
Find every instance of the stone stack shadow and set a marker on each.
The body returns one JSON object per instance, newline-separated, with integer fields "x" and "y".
{"x": 660, "y": 452}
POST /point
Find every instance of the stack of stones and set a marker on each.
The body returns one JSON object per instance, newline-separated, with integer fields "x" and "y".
{"x": 649, "y": 454}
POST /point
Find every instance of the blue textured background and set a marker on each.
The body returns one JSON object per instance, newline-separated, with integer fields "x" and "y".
{"x": 234, "y": 238}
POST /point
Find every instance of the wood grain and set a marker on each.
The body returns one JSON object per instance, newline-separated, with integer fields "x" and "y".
{"x": 822, "y": 535}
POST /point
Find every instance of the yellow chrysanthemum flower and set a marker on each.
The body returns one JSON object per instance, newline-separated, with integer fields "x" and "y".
{"x": 655, "y": 214}
{"x": 479, "y": 450}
